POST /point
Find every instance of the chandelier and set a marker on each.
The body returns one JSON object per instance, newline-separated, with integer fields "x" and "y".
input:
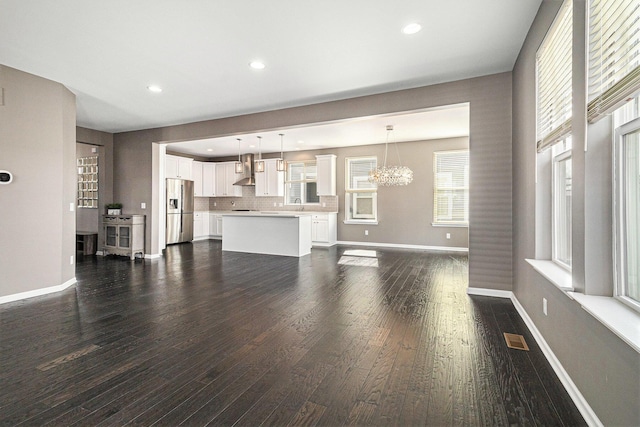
{"x": 387, "y": 176}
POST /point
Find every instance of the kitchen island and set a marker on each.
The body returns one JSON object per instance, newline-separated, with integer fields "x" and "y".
{"x": 271, "y": 233}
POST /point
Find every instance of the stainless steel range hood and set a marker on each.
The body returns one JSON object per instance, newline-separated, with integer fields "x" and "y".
{"x": 248, "y": 177}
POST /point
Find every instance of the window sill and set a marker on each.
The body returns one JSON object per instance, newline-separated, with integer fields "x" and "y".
{"x": 555, "y": 274}
{"x": 442, "y": 224}
{"x": 615, "y": 315}
{"x": 360, "y": 221}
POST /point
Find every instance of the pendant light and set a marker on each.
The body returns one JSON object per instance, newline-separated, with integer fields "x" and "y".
{"x": 387, "y": 176}
{"x": 280, "y": 161}
{"x": 259, "y": 164}
{"x": 239, "y": 166}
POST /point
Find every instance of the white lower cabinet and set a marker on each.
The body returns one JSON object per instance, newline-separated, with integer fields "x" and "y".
{"x": 215, "y": 225}
{"x": 200, "y": 225}
{"x": 324, "y": 229}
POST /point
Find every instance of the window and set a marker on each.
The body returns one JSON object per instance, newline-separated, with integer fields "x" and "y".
{"x": 561, "y": 218}
{"x": 554, "y": 101}
{"x": 614, "y": 55}
{"x": 553, "y": 67}
{"x": 627, "y": 213}
{"x": 87, "y": 194}
{"x": 300, "y": 185}
{"x": 361, "y": 196}
{"x": 451, "y": 187}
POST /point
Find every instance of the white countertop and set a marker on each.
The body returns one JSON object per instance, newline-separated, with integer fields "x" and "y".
{"x": 268, "y": 214}
{"x": 290, "y": 214}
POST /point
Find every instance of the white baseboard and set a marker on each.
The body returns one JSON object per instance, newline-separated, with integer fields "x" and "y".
{"x": 403, "y": 246}
{"x": 321, "y": 245}
{"x": 37, "y": 292}
{"x": 99, "y": 253}
{"x": 152, "y": 256}
{"x": 588, "y": 414}
{"x": 490, "y": 292}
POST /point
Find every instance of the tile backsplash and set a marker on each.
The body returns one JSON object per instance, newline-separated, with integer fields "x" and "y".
{"x": 201, "y": 203}
{"x": 251, "y": 202}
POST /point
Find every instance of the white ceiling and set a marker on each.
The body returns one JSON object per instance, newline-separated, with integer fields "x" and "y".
{"x": 198, "y": 51}
{"x": 447, "y": 122}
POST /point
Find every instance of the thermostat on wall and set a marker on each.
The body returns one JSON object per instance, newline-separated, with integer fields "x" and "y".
{"x": 6, "y": 177}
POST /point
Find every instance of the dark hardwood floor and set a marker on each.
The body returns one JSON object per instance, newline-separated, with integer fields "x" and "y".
{"x": 202, "y": 337}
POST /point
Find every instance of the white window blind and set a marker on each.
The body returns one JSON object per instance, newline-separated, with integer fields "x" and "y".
{"x": 553, "y": 63}
{"x": 358, "y": 173}
{"x": 614, "y": 55}
{"x": 451, "y": 187}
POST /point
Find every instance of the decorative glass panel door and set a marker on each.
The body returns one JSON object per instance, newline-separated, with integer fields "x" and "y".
{"x": 125, "y": 237}
{"x": 111, "y": 235}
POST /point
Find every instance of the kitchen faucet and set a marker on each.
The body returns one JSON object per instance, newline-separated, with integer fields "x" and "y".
{"x": 297, "y": 200}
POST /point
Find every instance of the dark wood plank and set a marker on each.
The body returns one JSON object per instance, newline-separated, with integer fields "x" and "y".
{"x": 202, "y": 336}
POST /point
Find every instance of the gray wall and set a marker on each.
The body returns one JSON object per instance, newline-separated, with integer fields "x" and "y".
{"x": 405, "y": 214}
{"x": 604, "y": 368}
{"x": 490, "y": 232}
{"x": 37, "y": 144}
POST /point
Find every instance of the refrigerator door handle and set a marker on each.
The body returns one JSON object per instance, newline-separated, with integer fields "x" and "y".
{"x": 181, "y": 207}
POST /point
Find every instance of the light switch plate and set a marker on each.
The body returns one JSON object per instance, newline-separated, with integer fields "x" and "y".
{"x": 143, "y": 205}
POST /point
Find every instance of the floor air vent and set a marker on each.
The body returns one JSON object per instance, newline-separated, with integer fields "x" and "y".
{"x": 516, "y": 341}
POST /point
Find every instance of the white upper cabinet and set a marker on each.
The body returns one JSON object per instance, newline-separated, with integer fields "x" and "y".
{"x": 196, "y": 175}
{"x": 208, "y": 179}
{"x": 178, "y": 167}
{"x": 270, "y": 183}
{"x": 326, "y": 180}
{"x": 225, "y": 178}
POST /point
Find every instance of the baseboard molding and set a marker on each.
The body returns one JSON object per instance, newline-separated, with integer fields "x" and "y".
{"x": 37, "y": 292}
{"x": 402, "y": 246}
{"x": 321, "y": 245}
{"x": 490, "y": 292}
{"x": 99, "y": 253}
{"x": 587, "y": 413}
{"x": 152, "y": 256}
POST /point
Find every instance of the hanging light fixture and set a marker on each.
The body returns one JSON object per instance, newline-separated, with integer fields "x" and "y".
{"x": 387, "y": 176}
{"x": 239, "y": 166}
{"x": 280, "y": 161}
{"x": 259, "y": 164}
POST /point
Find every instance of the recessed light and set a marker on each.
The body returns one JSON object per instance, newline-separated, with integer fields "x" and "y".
{"x": 209, "y": 149}
{"x": 257, "y": 65}
{"x": 300, "y": 142}
{"x": 154, "y": 89}
{"x": 412, "y": 28}
{"x": 252, "y": 146}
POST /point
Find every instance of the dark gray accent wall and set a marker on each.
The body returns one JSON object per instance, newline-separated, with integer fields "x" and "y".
{"x": 37, "y": 144}
{"x": 489, "y": 98}
{"x": 604, "y": 368}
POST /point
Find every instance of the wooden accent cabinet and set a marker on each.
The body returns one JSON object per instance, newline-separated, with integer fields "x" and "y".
{"x": 123, "y": 235}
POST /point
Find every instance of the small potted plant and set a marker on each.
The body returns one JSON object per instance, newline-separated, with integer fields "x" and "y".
{"x": 114, "y": 209}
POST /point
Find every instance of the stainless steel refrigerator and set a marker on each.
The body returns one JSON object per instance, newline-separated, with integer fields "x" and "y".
{"x": 179, "y": 210}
